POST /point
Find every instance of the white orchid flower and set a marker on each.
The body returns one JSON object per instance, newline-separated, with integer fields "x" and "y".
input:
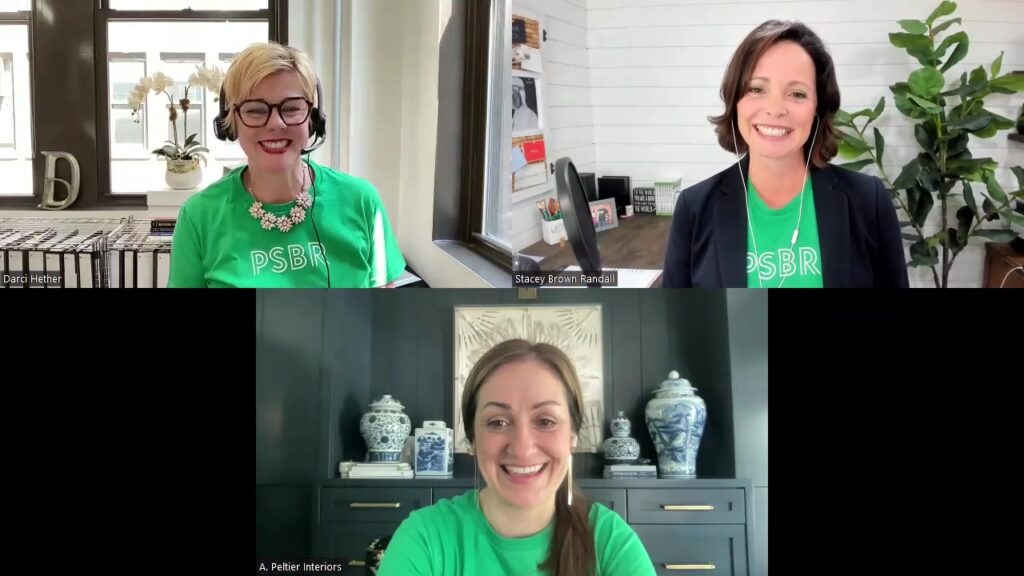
{"x": 161, "y": 82}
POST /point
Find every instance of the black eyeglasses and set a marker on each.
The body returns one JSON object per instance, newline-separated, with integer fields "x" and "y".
{"x": 256, "y": 113}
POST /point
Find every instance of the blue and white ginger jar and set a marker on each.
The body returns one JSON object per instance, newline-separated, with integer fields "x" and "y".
{"x": 620, "y": 448}
{"x": 675, "y": 418}
{"x": 384, "y": 428}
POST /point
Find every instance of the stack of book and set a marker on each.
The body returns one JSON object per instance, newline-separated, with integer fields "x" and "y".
{"x": 375, "y": 470}
{"x": 162, "y": 226}
{"x": 631, "y": 471}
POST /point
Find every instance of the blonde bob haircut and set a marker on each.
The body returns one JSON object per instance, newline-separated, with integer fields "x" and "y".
{"x": 256, "y": 63}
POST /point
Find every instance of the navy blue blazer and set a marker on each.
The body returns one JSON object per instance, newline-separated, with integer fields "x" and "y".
{"x": 858, "y": 232}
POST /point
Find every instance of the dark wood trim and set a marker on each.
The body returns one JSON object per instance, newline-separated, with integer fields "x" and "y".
{"x": 474, "y": 118}
{"x": 64, "y": 95}
{"x": 474, "y": 134}
{"x": 279, "y": 21}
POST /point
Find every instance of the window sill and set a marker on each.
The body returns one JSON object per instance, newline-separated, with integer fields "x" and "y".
{"x": 488, "y": 271}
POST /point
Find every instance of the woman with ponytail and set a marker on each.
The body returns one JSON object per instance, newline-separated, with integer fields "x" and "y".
{"x": 522, "y": 408}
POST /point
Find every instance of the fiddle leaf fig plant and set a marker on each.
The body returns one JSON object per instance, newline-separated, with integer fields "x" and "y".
{"x": 945, "y": 173}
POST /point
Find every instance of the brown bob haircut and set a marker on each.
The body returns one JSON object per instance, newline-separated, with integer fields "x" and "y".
{"x": 741, "y": 68}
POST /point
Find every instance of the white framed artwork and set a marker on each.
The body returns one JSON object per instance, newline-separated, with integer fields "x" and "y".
{"x": 575, "y": 329}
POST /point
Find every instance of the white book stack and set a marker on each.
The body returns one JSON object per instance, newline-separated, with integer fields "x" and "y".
{"x": 375, "y": 470}
{"x": 630, "y": 471}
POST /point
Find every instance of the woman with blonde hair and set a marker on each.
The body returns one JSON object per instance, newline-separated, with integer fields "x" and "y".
{"x": 522, "y": 408}
{"x": 281, "y": 221}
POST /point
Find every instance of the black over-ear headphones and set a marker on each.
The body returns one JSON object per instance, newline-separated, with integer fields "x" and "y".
{"x": 317, "y": 121}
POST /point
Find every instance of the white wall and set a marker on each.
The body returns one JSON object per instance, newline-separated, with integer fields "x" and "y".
{"x": 649, "y": 82}
{"x": 393, "y": 123}
{"x": 566, "y": 97}
{"x": 656, "y": 67}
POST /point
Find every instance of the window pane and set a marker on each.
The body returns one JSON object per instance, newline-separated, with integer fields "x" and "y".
{"x": 142, "y": 49}
{"x": 128, "y": 135}
{"x": 183, "y": 4}
{"x": 15, "y": 111}
{"x": 193, "y": 121}
{"x": 127, "y": 132}
{"x": 15, "y": 5}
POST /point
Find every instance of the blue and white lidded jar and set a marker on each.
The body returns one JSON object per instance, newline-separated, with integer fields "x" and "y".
{"x": 675, "y": 418}
{"x": 384, "y": 428}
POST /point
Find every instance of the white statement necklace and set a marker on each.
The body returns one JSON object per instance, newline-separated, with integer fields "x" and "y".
{"x": 286, "y": 222}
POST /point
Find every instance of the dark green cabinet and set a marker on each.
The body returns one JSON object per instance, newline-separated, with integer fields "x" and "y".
{"x": 697, "y": 525}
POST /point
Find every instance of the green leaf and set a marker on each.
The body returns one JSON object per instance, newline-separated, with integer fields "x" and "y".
{"x": 973, "y": 169}
{"x": 926, "y": 135}
{"x": 948, "y": 41}
{"x": 973, "y": 122}
{"x": 852, "y": 147}
{"x": 929, "y": 178}
{"x": 964, "y": 219}
{"x": 990, "y": 210}
{"x": 921, "y": 254}
{"x": 996, "y": 235}
{"x": 900, "y": 88}
{"x": 904, "y": 40}
{"x": 995, "y": 190}
{"x": 923, "y": 54}
{"x": 926, "y": 105}
{"x": 1011, "y": 81}
{"x": 1019, "y": 173}
{"x": 959, "y": 53}
{"x": 969, "y": 199}
{"x": 957, "y": 145}
{"x": 879, "y": 146}
{"x": 856, "y": 166}
{"x": 919, "y": 202}
{"x": 909, "y": 108}
{"x": 949, "y": 240}
{"x": 965, "y": 91}
{"x": 986, "y": 132}
{"x": 879, "y": 108}
{"x": 944, "y": 9}
{"x": 914, "y": 26}
{"x": 936, "y": 30}
{"x": 1000, "y": 122}
{"x": 926, "y": 82}
{"x": 978, "y": 76}
{"x": 997, "y": 64}
{"x": 842, "y": 118}
{"x": 908, "y": 177}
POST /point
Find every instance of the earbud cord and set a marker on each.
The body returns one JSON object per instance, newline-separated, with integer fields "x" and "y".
{"x": 800, "y": 214}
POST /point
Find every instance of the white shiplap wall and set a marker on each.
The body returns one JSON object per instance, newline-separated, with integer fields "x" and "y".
{"x": 656, "y": 67}
{"x": 568, "y": 113}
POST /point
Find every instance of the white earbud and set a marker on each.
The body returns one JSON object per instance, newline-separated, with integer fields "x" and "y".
{"x": 800, "y": 215}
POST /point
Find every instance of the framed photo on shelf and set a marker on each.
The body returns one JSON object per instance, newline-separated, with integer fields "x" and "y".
{"x": 604, "y": 214}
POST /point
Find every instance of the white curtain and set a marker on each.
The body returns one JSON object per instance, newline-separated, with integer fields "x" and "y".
{"x": 318, "y": 28}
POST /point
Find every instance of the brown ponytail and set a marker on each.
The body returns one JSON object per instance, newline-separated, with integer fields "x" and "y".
{"x": 572, "y": 544}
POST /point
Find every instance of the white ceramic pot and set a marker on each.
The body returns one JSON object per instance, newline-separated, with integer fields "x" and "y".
{"x": 183, "y": 174}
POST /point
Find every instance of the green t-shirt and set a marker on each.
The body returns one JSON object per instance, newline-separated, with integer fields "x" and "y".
{"x": 799, "y": 267}
{"x": 453, "y": 538}
{"x": 218, "y": 244}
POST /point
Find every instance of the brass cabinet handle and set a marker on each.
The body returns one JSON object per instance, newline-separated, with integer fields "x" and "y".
{"x": 356, "y": 563}
{"x": 375, "y": 505}
{"x": 689, "y": 566}
{"x": 688, "y": 507}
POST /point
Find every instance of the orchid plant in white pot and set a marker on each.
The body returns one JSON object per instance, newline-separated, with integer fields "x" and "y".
{"x": 183, "y": 159}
